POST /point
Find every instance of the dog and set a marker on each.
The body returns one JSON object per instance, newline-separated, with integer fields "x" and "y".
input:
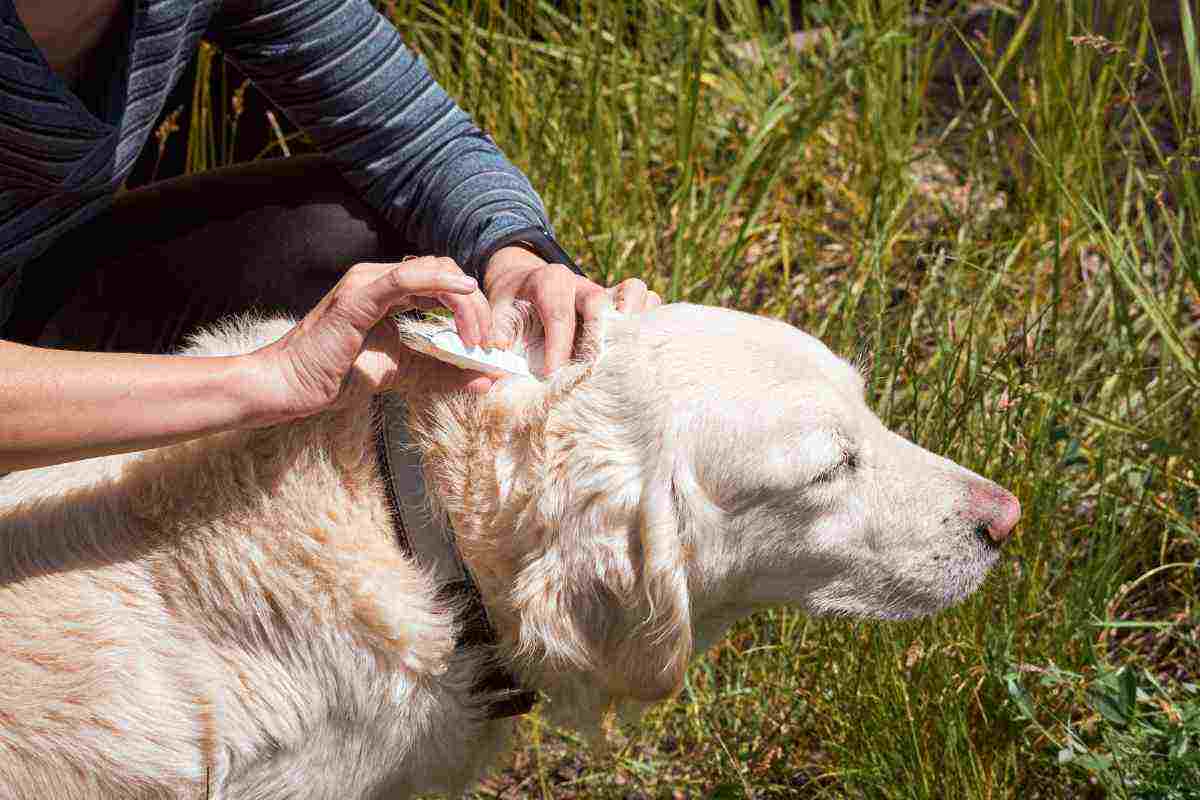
{"x": 231, "y": 617}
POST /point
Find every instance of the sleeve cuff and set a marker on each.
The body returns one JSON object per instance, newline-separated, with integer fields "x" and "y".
{"x": 535, "y": 240}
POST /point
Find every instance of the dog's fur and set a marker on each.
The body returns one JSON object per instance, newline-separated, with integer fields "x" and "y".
{"x": 231, "y": 618}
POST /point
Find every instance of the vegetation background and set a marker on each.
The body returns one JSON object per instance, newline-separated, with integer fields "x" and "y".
{"x": 995, "y": 208}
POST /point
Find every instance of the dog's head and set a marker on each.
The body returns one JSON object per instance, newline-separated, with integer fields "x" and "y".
{"x": 694, "y": 464}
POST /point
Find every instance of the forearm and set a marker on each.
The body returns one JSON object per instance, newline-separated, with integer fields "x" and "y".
{"x": 58, "y": 405}
{"x": 340, "y": 72}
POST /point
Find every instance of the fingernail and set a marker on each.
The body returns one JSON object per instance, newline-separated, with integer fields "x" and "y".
{"x": 464, "y": 282}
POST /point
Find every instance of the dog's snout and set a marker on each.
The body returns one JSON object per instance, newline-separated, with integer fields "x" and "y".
{"x": 998, "y": 510}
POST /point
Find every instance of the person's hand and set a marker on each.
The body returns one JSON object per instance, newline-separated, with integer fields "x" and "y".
{"x": 559, "y": 295}
{"x": 348, "y": 345}
{"x": 633, "y": 295}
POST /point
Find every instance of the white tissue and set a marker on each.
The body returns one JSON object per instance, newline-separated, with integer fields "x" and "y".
{"x": 447, "y": 346}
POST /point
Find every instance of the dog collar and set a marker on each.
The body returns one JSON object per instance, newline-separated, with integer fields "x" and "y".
{"x": 432, "y": 546}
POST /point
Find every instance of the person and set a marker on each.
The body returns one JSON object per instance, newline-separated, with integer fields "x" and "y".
{"x": 98, "y": 287}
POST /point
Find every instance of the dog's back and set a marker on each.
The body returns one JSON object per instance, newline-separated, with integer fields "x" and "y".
{"x": 228, "y": 617}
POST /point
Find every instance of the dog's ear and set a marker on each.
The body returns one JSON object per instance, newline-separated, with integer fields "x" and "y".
{"x": 654, "y": 657}
{"x": 609, "y": 595}
{"x": 590, "y": 574}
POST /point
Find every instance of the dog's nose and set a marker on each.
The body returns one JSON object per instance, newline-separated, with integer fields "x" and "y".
{"x": 998, "y": 509}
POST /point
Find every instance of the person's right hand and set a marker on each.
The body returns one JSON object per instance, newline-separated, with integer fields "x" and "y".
{"x": 348, "y": 345}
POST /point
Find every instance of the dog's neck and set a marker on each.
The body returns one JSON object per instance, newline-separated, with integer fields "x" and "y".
{"x": 483, "y": 466}
{"x": 485, "y": 470}
{"x": 560, "y": 496}
{"x": 486, "y": 458}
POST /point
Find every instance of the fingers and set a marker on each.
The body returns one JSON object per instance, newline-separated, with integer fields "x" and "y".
{"x": 367, "y": 292}
{"x": 422, "y": 282}
{"x": 339, "y": 349}
{"x": 592, "y": 301}
{"x": 632, "y": 296}
{"x": 559, "y": 297}
{"x": 555, "y": 301}
{"x": 629, "y": 293}
{"x": 472, "y": 317}
{"x": 425, "y": 277}
{"x": 504, "y": 323}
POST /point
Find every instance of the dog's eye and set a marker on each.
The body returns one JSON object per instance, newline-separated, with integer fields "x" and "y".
{"x": 847, "y": 463}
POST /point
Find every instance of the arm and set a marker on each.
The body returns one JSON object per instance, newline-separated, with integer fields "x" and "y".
{"x": 340, "y": 71}
{"x": 58, "y": 406}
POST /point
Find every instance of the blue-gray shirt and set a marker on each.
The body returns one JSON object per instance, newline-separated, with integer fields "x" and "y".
{"x": 336, "y": 67}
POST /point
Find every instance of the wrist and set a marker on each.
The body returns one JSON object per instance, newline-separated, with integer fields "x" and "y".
{"x": 254, "y": 392}
{"x": 538, "y": 241}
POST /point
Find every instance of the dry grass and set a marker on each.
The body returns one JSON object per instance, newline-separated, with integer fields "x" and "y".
{"x": 999, "y": 213}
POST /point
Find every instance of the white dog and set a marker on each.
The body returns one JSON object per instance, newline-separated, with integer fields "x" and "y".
{"x": 232, "y": 617}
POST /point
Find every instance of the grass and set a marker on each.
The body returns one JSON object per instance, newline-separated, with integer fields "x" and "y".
{"x": 999, "y": 215}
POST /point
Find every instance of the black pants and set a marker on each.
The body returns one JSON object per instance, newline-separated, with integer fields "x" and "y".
{"x": 272, "y": 236}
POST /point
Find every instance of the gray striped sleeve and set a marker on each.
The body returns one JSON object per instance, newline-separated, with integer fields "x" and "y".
{"x": 341, "y": 72}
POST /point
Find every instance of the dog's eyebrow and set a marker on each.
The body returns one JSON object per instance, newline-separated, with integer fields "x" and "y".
{"x": 848, "y": 460}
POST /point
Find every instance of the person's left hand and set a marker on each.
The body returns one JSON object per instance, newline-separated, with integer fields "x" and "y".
{"x": 558, "y": 294}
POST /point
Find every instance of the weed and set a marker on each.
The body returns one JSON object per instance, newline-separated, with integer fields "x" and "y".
{"x": 995, "y": 211}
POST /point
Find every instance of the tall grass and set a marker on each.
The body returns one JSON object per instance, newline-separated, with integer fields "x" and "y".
{"x": 999, "y": 215}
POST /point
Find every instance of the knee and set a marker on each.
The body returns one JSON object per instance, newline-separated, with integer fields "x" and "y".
{"x": 315, "y": 216}
{"x": 296, "y": 240}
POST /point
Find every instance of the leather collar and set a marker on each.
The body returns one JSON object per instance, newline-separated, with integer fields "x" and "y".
{"x": 432, "y": 546}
